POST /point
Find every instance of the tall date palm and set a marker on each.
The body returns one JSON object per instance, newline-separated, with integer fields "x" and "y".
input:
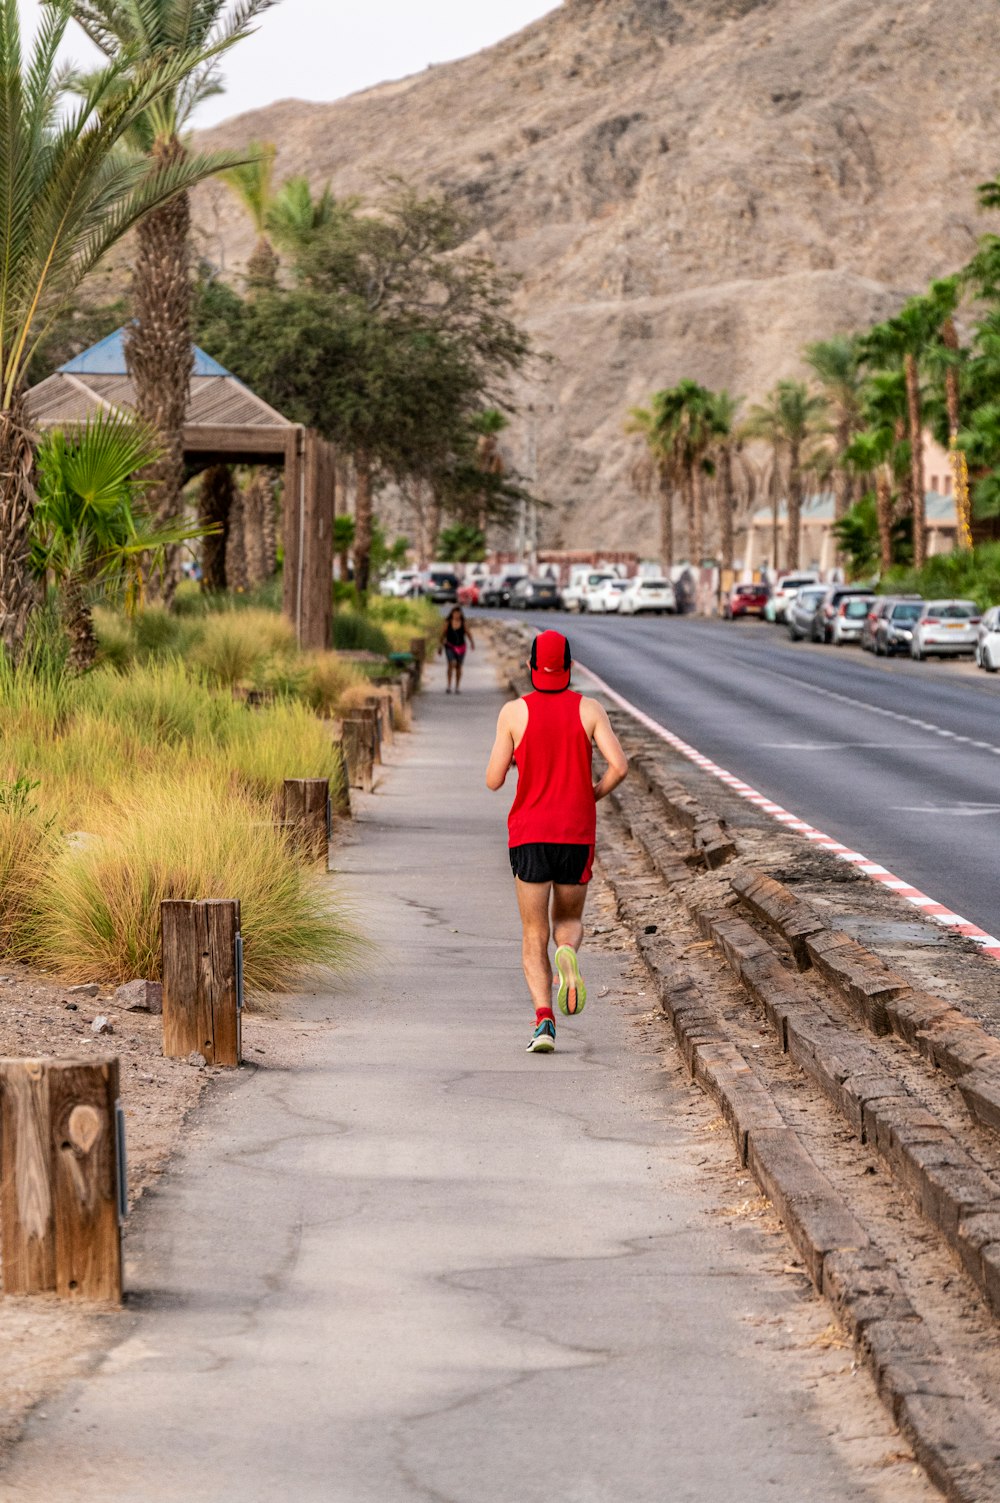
{"x": 137, "y": 34}
{"x": 68, "y": 193}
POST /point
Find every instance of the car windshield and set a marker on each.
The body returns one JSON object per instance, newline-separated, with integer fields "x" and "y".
{"x": 749, "y": 589}
{"x": 906, "y": 612}
{"x": 653, "y": 584}
{"x": 598, "y": 578}
{"x": 794, "y": 582}
{"x": 957, "y": 611}
{"x": 809, "y": 597}
{"x": 620, "y": 584}
{"x": 856, "y": 608}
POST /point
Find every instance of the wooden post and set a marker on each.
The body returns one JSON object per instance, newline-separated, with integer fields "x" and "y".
{"x": 307, "y": 812}
{"x": 418, "y": 651}
{"x": 383, "y": 703}
{"x": 62, "y": 1178}
{"x": 369, "y": 714}
{"x": 202, "y": 980}
{"x": 357, "y": 753}
{"x": 340, "y": 783}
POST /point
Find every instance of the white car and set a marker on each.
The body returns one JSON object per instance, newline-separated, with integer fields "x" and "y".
{"x": 606, "y": 598}
{"x": 988, "y": 640}
{"x": 645, "y": 594}
{"x": 400, "y": 583}
{"x": 577, "y": 597}
{"x": 945, "y": 627}
{"x": 850, "y": 618}
{"x": 777, "y": 606}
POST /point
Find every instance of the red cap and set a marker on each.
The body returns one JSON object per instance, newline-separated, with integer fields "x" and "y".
{"x": 550, "y": 662}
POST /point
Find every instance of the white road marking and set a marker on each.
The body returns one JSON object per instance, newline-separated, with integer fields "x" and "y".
{"x": 935, "y": 911}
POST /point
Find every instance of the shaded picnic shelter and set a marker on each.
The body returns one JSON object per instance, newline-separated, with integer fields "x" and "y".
{"x": 226, "y": 423}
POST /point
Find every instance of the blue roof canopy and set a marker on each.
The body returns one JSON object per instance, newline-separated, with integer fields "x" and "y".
{"x": 107, "y": 358}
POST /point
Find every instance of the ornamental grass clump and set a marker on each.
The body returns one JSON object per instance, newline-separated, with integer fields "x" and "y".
{"x": 97, "y": 912}
{"x": 27, "y": 843}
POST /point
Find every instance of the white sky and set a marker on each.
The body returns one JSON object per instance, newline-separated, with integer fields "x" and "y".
{"x": 323, "y": 49}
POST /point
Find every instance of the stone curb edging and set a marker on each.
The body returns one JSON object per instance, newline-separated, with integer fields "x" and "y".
{"x": 951, "y": 1435}
{"x": 952, "y": 1192}
{"x": 883, "y": 1000}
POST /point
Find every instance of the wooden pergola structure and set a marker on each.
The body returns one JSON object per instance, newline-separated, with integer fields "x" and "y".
{"x": 226, "y": 423}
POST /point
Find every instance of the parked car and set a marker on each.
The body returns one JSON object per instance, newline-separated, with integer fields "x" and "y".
{"x": 746, "y": 600}
{"x": 606, "y": 598}
{"x": 441, "y": 586}
{"x": 400, "y": 583}
{"x": 894, "y": 631}
{"x": 945, "y": 628}
{"x": 784, "y": 591}
{"x": 576, "y": 596}
{"x": 876, "y": 610}
{"x": 988, "y": 640}
{"x": 468, "y": 592}
{"x": 801, "y": 609}
{"x": 851, "y": 615}
{"x": 647, "y": 594}
{"x": 535, "y": 595}
{"x": 822, "y": 625}
{"x": 497, "y": 589}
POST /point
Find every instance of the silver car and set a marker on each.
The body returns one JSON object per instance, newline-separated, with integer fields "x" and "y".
{"x": 988, "y": 640}
{"x": 945, "y": 628}
{"x": 850, "y": 618}
{"x": 800, "y": 610}
{"x": 894, "y": 632}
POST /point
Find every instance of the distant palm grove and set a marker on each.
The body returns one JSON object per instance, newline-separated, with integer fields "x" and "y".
{"x": 855, "y": 428}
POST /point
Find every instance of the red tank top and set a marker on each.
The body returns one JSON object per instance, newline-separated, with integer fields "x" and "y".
{"x": 555, "y": 787}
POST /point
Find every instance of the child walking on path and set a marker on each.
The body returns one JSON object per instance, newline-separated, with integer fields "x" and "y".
{"x": 455, "y": 637}
{"x": 549, "y": 736}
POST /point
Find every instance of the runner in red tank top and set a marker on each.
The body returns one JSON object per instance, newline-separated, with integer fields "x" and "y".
{"x": 549, "y": 736}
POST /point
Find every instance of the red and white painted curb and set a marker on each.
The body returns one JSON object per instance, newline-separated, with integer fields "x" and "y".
{"x": 929, "y": 907}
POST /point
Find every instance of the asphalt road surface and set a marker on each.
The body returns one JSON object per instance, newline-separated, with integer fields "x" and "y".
{"x": 899, "y": 760}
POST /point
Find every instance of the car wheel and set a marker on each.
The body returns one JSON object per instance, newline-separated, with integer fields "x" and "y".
{"x": 794, "y": 635}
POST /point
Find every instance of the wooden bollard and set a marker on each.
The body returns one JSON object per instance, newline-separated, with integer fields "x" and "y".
{"x": 340, "y": 783}
{"x": 62, "y": 1178}
{"x": 202, "y": 952}
{"x": 418, "y": 651}
{"x": 370, "y": 715}
{"x": 357, "y": 753}
{"x": 308, "y": 812}
{"x": 383, "y": 703}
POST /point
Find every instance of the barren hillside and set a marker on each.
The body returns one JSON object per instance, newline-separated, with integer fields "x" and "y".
{"x": 688, "y": 187}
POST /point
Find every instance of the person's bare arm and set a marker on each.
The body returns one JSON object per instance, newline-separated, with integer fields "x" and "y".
{"x": 609, "y": 746}
{"x": 502, "y": 754}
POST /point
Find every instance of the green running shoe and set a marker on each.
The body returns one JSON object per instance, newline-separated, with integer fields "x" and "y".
{"x": 543, "y": 1040}
{"x": 572, "y": 997}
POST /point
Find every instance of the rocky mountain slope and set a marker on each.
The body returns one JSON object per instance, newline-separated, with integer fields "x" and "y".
{"x": 688, "y": 188}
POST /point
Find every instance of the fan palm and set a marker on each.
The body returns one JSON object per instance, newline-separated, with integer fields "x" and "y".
{"x": 87, "y": 532}
{"x": 68, "y": 193}
{"x": 789, "y": 417}
{"x": 140, "y": 33}
{"x": 722, "y": 423}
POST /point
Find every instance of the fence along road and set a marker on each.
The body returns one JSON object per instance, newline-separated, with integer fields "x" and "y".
{"x": 899, "y": 760}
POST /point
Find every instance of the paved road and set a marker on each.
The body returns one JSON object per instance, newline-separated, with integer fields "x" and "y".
{"x": 897, "y": 759}
{"x": 417, "y": 1265}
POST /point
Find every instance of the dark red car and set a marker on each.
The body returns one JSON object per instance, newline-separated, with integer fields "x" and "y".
{"x": 468, "y": 593}
{"x": 746, "y": 600}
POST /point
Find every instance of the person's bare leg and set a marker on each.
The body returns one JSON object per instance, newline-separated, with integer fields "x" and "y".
{"x": 451, "y": 674}
{"x": 567, "y": 915}
{"x": 458, "y": 675}
{"x": 533, "y": 901}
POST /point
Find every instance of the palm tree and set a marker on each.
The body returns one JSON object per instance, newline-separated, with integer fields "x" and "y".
{"x": 722, "y": 421}
{"x": 295, "y": 218}
{"x": 253, "y": 184}
{"x": 139, "y": 34}
{"x": 68, "y": 193}
{"x": 789, "y": 417}
{"x": 487, "y": 427}
{"x": 87, "y": 531}
{"x": 656, "y": 465}
{"x": 836, "y": 365}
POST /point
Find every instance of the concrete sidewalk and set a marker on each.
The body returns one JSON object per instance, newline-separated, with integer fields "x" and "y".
{"x": 416, "y": 1263}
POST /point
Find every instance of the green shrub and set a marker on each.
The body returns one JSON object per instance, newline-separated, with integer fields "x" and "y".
{"x": 967, "y": 574}
{"x": 353, "y": 632}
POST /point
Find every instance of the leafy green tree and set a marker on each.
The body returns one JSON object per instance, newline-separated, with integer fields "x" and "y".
{"x": 343, "y": 542}
{"x": 858, "y": 534}
{"x": 788, "y": 419}
{"x": 136, "y": 35}
{"x": 88, "y": 533}
{"x": 68, "y": 193}
{"x": 724, "y": 437}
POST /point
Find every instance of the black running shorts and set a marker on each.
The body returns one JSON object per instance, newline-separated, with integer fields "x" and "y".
{"x": 547, "y": 861}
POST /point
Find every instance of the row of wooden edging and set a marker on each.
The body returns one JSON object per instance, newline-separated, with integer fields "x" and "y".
{"x": 63, "y": 1181}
